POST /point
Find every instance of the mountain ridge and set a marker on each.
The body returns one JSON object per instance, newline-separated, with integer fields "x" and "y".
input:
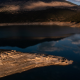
{"x": 50, "y": 14}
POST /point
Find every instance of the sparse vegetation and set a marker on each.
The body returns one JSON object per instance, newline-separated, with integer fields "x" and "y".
{"x": 51, "y": 14}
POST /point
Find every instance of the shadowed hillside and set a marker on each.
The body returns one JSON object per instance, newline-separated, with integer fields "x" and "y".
{"x": 50, "y": 14}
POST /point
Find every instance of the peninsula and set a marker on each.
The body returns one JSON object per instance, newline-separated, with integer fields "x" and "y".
{"x": 17, "y": 62}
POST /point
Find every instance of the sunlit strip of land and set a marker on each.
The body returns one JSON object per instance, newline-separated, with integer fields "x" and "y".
{"x": 12, "y": 62}
{"x": 16, "y": 6}
{"x": 70, "y": 24}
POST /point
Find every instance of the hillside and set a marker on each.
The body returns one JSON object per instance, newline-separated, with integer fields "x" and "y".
{"x": 50, "y": 14}
{"x": 38, "y": 11}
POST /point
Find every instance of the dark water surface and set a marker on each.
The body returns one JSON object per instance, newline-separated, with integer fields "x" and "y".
{"x": 53, "y": 40}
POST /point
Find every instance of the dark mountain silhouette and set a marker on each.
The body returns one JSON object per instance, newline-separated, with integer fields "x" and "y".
{"x": 61, "y": 13}
{"x": 50, "y": 14}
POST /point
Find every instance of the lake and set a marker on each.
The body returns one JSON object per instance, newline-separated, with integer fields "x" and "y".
{"x": 53, "y": 40}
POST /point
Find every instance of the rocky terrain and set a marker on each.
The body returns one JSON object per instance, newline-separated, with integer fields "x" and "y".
{"x": 39, "y": 11}
{"x": 32, "y": 5}
{"x": 12, "y": 62}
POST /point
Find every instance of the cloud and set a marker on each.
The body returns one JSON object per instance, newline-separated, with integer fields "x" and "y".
{"x": 73, "y": 0}
{"x": 76, "y": 51}
{"x": 75, "y": 39}
{"x": 76, "y": 42}
{"x": 15, "y": 6}
{"x": 76, "y": 0}
{"x": 48, "y": 46}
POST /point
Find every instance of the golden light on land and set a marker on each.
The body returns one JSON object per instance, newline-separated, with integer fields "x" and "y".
{"x": 16, "y": 62}
{"x": 10, "y": 8}
{"x": 32, "y": 5}
{"x": 44, "y": 4}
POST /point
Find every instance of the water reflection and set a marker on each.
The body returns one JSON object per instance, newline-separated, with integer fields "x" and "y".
{"x": 36, "y": 31}
{"x": 48, "y": 46}
{"x": 44, "y": 45}
{"x": 57, "y": 41}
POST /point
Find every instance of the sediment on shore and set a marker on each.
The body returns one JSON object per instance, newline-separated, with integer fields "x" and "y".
{"x": 12, "y": 61}
{"x": 70, "y": 24}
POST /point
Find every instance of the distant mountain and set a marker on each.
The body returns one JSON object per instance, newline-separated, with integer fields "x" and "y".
{"x": 34, "y": 5}
{"x": 50, "y": 14}
{"x": 60, "y": 10}
{"x": 6, "y": 1}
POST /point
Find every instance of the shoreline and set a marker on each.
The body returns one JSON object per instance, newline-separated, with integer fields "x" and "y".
{"x": 17, "y": 62}
{"x": 56, "y": 23}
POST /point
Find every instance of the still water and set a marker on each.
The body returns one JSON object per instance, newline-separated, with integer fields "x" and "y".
{"x": 53, "y": 40}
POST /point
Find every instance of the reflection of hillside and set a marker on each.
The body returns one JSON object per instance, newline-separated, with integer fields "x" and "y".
{"x": 24, "y": 42}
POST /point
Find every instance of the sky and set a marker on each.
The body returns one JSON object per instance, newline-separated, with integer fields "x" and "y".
{"x": 74, "y": 1}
